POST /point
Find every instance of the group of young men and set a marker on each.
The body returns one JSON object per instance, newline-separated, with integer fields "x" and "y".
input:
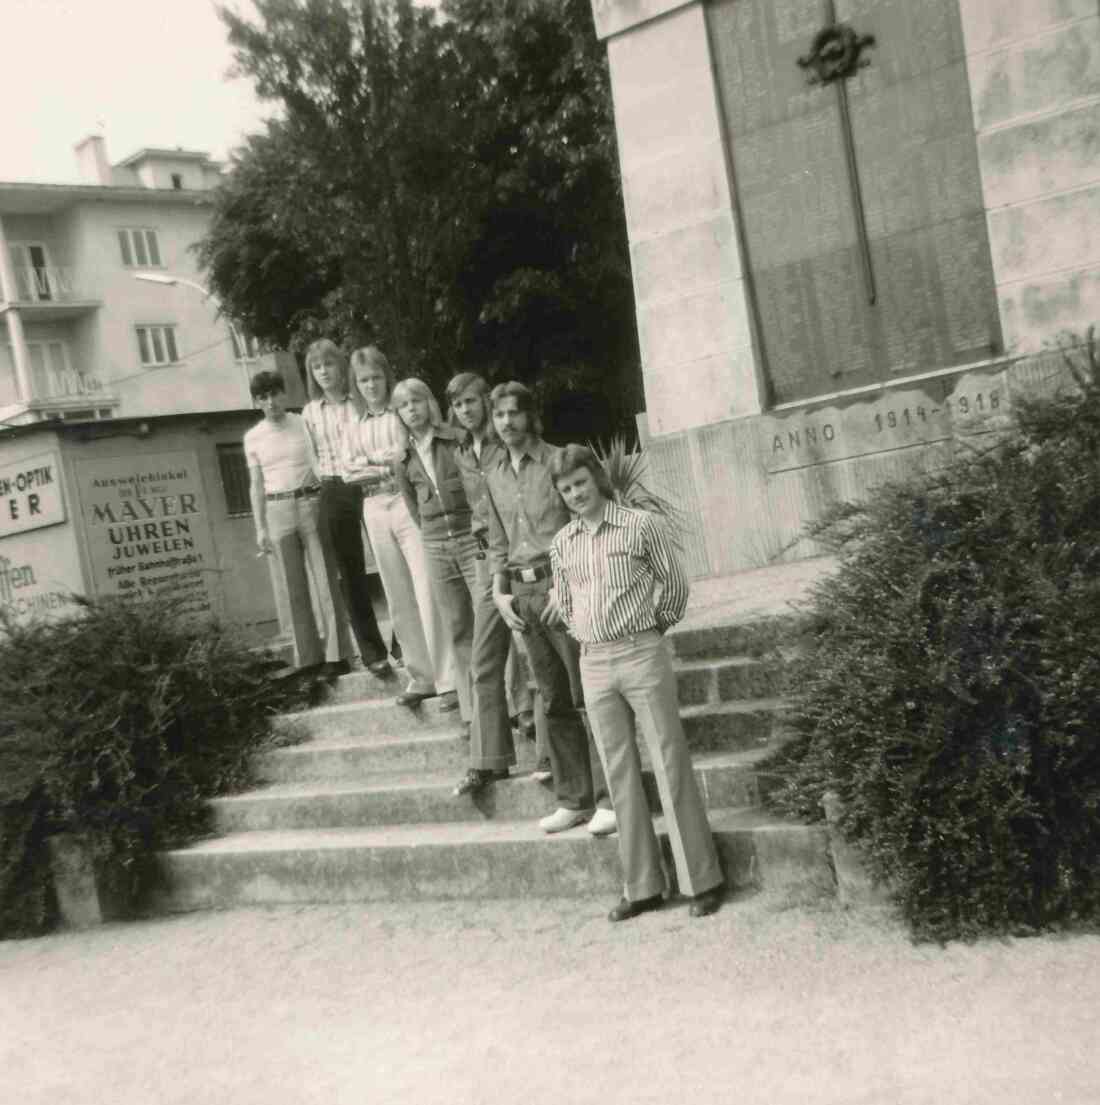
{"x": 527, "y": 540}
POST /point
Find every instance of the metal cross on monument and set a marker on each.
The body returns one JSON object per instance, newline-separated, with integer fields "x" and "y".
{"x": 835, "y": 55}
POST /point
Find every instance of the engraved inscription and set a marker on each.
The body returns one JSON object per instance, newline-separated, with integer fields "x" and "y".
{"x": 942, "y": 411}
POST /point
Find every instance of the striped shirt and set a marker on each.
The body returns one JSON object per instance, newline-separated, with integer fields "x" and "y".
{"x": 328, "y": 423}
{"x": 367, "y": 437}
{"x": 622, "y": 579}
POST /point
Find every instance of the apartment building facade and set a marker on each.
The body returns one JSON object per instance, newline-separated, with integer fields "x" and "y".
{"x": 124, "y": 396}
{"x": 86, "y": 335}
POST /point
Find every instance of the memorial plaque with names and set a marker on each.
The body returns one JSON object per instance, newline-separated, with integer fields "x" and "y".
{"x": 920, "y": 296}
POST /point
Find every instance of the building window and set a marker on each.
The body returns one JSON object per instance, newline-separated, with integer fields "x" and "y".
{"x": 235, "y": 480}
{"x": 157, "y": 345}
{"x": 245, "y": 346}
{"x": 33, "y": 274}
{"x": 139, "y": 247}
{"x": 177, "y": 181}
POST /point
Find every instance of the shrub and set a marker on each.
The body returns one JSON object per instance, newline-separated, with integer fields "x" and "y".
{"x": 628, "y": 474}
{"x": 118, "y": 724}
{"x": 950, "y": 689}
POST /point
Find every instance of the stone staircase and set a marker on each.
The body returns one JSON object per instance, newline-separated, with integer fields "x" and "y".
{"x": 362, "y": 809}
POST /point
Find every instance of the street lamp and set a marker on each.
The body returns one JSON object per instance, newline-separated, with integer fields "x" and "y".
{"x": 206, "y": 293}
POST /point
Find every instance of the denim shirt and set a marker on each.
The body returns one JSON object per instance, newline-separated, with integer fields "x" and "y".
{"x": 528, "y": 509}
{"x": 440, "y": 509}
{"x": 475, "y": 472}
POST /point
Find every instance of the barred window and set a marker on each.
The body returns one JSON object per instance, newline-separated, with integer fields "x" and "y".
{"x": 235, "y": 481}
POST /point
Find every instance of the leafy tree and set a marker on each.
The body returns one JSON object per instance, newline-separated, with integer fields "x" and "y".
{"x": 445, "y": 187}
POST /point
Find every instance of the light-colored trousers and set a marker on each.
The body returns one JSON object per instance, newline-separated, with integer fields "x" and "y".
{"x": 403, "y": 568}
{"x": 630, "y": 683}
{"x": 302, "y": 551}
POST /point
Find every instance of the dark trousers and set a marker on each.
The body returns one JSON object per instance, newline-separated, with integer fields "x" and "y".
{"x": 491, "y": 746}
{"x": 342, "y": 517}
{"x": 578, "y": 775}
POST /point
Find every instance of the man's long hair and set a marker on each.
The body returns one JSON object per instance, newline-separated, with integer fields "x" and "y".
{"x": 372, "y": 356}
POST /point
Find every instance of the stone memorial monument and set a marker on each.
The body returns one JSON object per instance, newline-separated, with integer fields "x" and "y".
{"x": 857, "y": 228}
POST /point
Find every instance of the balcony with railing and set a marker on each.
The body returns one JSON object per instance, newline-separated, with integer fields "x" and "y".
{"x": 56, "y": 386}
{"x": 49, "y": 291}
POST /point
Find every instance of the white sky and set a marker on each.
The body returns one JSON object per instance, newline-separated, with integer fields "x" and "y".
{"x": 140, "y": 72}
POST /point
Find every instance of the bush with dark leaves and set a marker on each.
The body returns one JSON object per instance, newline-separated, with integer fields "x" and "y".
{"x": 950, "y": 688}
{"x": 118, "y": 724}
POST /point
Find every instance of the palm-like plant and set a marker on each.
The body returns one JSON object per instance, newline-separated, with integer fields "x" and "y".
{"x": 627, "y": 473}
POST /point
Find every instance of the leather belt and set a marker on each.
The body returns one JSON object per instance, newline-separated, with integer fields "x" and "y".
{"x": 388, "y": 487}
{"x": 531, "y": 574}
{"x": 297, "y": 493}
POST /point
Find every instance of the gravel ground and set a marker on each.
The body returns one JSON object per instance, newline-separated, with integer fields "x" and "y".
{"x": 543, "y": 1002}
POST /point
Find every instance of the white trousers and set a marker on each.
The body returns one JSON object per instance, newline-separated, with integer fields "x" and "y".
{"x": 403, "y": 568}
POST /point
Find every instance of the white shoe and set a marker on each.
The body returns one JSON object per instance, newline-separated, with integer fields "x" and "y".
{"x": 603, "y": 823}
{"x": 562, "y": 819}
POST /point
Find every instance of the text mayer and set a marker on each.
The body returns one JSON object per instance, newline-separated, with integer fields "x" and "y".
{"x": 138, "y": 509}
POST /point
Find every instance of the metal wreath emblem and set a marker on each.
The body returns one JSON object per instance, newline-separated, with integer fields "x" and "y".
{"x": 835, "y": 54}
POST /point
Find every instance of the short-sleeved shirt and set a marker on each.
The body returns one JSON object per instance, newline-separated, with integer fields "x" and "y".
{"x": 282, "y": 451}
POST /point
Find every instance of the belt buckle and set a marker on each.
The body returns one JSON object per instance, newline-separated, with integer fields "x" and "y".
{"x": 528, "y": 575}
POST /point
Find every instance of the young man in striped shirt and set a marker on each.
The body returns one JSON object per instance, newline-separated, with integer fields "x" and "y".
{"x": 619, "y": 586}
{"x": 328, "y": 414}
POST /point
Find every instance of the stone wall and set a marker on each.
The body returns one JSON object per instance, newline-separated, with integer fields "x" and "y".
{"x": 1034, "y": 72}
{"x": 750, "y": 479}
{"x": 749, "y": 487}
{"x": 695, "y": 335}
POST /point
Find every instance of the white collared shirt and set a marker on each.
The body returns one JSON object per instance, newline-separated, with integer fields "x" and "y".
{"x": 424, "y": 450}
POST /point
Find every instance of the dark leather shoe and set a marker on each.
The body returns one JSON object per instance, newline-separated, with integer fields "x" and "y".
{"x": 702, "y": 905}
{"x": 524, "y": 724}
{"x": 380, "y": 668}
{"x": 412, "y": 698}
{"x": 477, "y": 779}
{"x": 627, "y": 909}
{"x": 335, "y": 668}
{"x": 448, "y": 702}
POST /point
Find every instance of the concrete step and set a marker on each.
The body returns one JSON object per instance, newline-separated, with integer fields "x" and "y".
{"x": 754, "y": 638}
{"x": 482, "y": 859}
{"x": 354, "y": 759}
{"x": 379, "y": 718}
{"x": 730, "y": 679}
{"x": 351, "y": 742}
{"x": 725, "y": 781}
{"x": 360, "y": 686}
{"x": 725, "y": 679}
{"x": 733, "y": 726}
{"x": 736, "y": 679}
